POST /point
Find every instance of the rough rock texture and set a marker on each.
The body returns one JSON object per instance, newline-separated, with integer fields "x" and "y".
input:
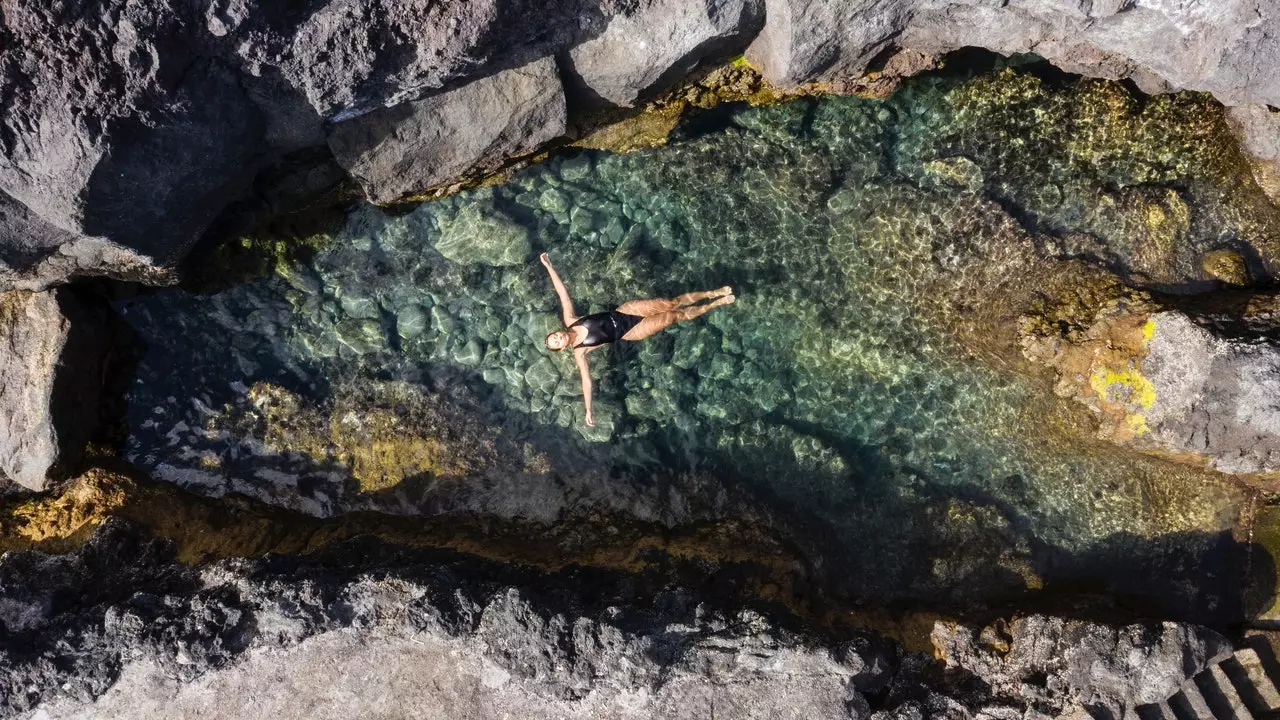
{"x": 807, "y": 40}
{"x": 119, "y": 630}
{"x": 420, "y": 144}
{"x": 51, "y": 353}
{"x": 1223, "y": 48}
{"x": 115, "y": 131}
{"x": 126, "y": 128}
{"x": 1258, "y": 128}
{"x": 1213, "y": 396}
{"x": 1065, "y": 668}
{"x": 671, "y": 36}
{"x": 1202, "y": 384}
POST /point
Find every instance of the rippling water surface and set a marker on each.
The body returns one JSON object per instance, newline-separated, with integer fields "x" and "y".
{"x": 867, "y": 378}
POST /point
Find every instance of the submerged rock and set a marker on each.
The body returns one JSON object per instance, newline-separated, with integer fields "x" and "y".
{"x": 419, "y": 144}
{"x": 480, "y": 235}
{"x": 51, "y": 354}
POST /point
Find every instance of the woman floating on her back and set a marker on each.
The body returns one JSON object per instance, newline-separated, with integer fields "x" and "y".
{"x": 635, "y": 320}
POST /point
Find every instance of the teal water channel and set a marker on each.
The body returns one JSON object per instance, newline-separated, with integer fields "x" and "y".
{"x": 851, "y": 385}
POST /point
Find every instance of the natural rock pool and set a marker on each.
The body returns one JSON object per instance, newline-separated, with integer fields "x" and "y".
{"x": 867, "y": 385}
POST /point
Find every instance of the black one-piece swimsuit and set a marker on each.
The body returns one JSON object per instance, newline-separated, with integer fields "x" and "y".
{"x": 606, "y": 327}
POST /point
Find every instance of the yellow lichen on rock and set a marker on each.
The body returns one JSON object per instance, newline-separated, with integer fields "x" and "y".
{"x": 60, "y": 522}
{"x": 1127, "y": 388}
{"x": 1098, "y": 357}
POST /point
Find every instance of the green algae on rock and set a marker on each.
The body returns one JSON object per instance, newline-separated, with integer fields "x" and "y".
{"x": 869, "y": 379}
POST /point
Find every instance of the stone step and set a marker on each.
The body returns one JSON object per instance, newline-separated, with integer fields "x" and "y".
{"x": 1155, "y": 711}
{"x": 1189, "y": 704}
{"x": 1222, "y": 694}
{"x": 1247, "y": 671}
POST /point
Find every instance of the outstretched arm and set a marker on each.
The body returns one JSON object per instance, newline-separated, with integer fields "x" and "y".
{"x": 580, "y": 358}
{"x": 566, "y": 305}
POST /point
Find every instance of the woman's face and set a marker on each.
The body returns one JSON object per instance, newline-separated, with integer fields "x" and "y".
{"x": 558, "y": 340}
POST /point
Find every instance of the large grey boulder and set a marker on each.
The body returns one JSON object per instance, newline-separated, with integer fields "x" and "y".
{"x": 51, "y": 354}
{"x": 350, "y": 57}
{"x": 114, "y": 129}
{"x": 660, "y": 41}
{"x": 126, "y": 128}
{"x": 807, "y": 40}
{"x": 1213, "y": 396}
{"x": 1258, "y": 129}
{"x": 422, "y": 143}
{"x": 1229, "y": 49}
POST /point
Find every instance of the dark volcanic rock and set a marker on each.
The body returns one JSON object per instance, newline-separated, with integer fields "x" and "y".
{"x": 1062, "y": 665}
{"x": 659, "y": 41}
{"x": 120, "y": 630}
{"x": 51, "y": 353}
{"x": 806, "y": 40}
{"x": 125, "y": 128}
{"x": 420, "y": 144}
{"x": 349, "y": 57}
{"x": 118, "y": 136}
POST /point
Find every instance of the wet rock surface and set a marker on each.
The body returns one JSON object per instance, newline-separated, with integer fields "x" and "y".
{"x": 52, "y": 346}
{"x": 153, "y": 638}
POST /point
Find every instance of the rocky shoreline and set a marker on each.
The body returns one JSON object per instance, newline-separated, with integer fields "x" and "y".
{"x": 134, "y": 134}
{"x": 366, "y": 628}
{"x": 240, "y": 101}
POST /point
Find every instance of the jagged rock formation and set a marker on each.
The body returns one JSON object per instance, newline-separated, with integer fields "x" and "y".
{"x": 1199, "y": 382}
{"x": 1227, "y": 51}
{"x": 51, "y": 352}
{"x": 127, "y": 128}
{"x": 359, "y": 629}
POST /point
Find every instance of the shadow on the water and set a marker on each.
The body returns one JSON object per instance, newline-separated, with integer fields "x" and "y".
{"x": 875, "y": 535}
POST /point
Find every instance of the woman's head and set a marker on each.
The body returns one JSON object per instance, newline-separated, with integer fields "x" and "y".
{"x": 558, "y": 340}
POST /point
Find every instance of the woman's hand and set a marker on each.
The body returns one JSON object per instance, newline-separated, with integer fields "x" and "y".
{"x": 590, "y": 421}
{"x": 546, "y": 259}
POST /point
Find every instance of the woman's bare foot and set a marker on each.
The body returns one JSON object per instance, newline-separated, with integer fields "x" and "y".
{"x": 723, "y": 300}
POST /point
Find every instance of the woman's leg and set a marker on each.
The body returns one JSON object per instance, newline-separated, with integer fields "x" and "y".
{"x": 654, "y": 323}
{"x": 697, "y": 297}
{"x": 645, "y": 308}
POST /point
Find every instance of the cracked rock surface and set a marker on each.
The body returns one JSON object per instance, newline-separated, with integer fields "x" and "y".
{"x": 403, "y": 635}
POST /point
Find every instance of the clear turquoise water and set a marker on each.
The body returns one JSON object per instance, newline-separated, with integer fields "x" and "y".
{"x": 849, "y": 387}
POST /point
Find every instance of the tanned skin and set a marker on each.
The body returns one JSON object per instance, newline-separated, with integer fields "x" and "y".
{"x": 657, "y": 314}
